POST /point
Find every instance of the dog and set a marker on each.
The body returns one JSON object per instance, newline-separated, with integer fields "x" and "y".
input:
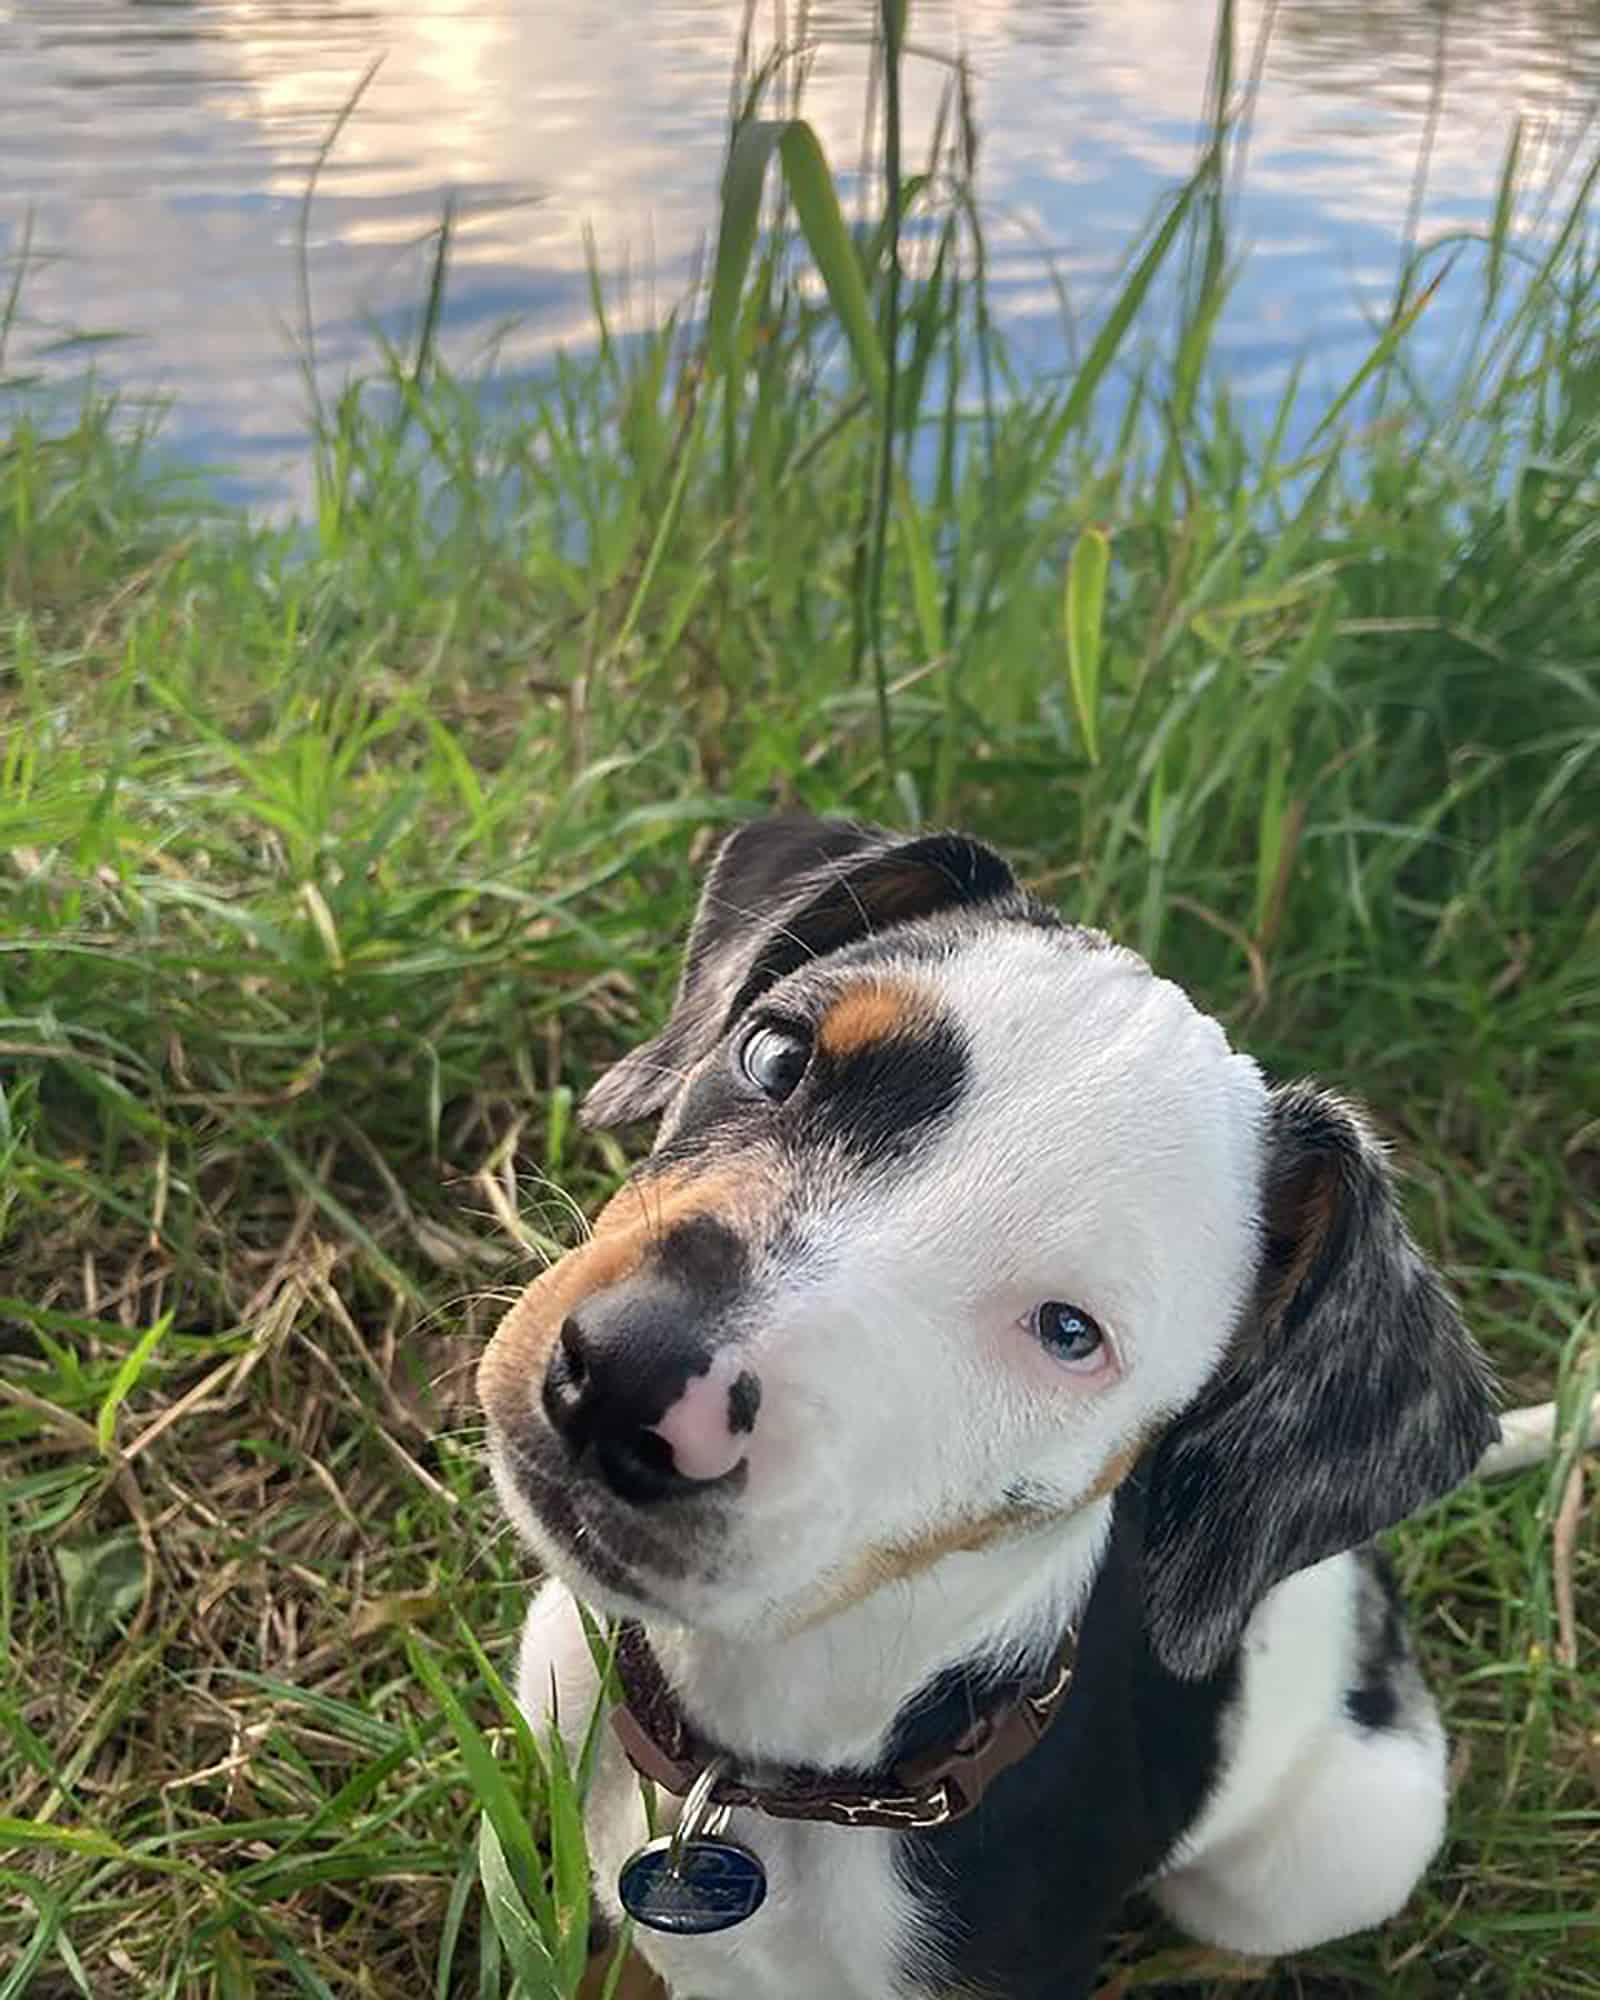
{"x": 979, "y": 1405}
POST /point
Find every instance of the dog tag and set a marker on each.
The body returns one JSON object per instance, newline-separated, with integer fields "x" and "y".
{"x": 711, "y": 1885}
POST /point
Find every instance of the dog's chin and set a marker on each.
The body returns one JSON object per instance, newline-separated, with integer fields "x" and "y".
{"x": 619, "y": 1562}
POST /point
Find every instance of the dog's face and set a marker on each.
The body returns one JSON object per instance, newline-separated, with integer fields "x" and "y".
{"x": 956, "y": 1212}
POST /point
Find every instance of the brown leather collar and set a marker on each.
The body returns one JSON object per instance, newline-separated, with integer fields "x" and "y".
{"x": 932, "y": 1789}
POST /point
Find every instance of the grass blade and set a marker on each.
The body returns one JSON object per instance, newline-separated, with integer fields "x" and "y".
{"x": 816, "y": 206}
{"x": 1085, "y": 613}
{"x": 1500, "y": 221}
{"x": 512, "y": 1836}
{"x": 530, "y": 1957}
{"x": 125, "y": 1379}
{"x": 1109, "y": 339}
{"x": 569, "y": 1863}
{"x": 18, "y": 1982}
{"x": 1382, "y": 351}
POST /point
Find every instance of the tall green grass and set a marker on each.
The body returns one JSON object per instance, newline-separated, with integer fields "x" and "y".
{"x": 333, "y": 859}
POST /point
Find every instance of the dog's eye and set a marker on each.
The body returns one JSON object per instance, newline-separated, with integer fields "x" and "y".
{"x": 1068, "y": 1333}
{"x": 775, "y": 1059}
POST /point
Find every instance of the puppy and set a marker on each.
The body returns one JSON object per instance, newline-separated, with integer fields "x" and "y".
{"x": 987, "y": 1374}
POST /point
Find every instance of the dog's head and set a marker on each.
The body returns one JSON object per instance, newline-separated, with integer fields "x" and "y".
{"x": 955, "y": 1214}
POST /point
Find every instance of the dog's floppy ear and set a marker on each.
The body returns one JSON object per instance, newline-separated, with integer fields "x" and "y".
{"x": 783, "y": 891}
{"x": 1352, "y": 1396}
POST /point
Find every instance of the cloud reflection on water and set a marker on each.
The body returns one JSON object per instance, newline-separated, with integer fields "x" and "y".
{"x": 163, "y": 151}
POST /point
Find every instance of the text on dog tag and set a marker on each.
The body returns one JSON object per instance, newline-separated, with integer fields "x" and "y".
{"x": 715, "y": 1885}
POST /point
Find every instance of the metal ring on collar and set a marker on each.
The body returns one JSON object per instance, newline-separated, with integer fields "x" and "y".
{"x": 699, "y": 1815}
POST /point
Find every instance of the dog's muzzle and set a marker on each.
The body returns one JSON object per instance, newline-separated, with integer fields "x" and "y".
{"x": 640, "y": 1398}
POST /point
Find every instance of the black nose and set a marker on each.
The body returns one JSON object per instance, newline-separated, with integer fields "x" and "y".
{"x": 622, "y": 1360}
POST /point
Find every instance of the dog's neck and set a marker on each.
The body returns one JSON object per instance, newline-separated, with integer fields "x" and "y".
{"x": 827, "y": 1695}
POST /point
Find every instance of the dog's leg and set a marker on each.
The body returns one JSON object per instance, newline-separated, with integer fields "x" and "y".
{"x": 1343, "y": 1854}
{"x": 1332, "y": 1802}
{"x": 556, "y": 1677}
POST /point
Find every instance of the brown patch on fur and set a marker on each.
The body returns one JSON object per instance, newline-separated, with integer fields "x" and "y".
{"x": 1302, "y": 1211}
{"x": 871, "y": 1012}
{"x": 625, "y": 1231}
{"x": 894, "y": 1562}
{"x": 1113, "y": 1472}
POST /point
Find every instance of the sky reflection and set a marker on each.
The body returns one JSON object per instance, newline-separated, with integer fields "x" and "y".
{"x": 162, "y": 150}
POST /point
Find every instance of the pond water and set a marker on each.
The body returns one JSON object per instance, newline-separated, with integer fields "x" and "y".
{"x": 154, "y": 154}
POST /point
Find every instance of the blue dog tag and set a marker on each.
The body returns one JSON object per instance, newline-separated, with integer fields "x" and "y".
{"x": 715, "y": 1885}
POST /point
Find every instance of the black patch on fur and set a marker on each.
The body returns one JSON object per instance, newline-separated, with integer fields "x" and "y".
{"x": 744, "y": 1400}
{"x": 1025, "y": 1888}
{"x": 755, "y": 872}
{"x": 895, "y": 885}
{"x": 706, "y": 1257}
{"x": 1382, "y": 1648}
{"x": 1373, "y": 1704}
{"x": 873, "y": 1104}
{"x": 717, "y": 1113}
{"x": 783, "y": 893}
{"x": 876, "y": 1103}
{"x": 1352, "y": 1398}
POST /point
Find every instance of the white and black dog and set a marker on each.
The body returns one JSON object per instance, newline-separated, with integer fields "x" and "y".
{"x": 983, "y": 1338}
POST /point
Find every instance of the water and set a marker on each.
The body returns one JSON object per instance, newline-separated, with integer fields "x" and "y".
{"x": 154, "y": 155}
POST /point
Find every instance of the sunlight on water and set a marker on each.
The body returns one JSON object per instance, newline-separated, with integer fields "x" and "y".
{"x": 161, "y": 152}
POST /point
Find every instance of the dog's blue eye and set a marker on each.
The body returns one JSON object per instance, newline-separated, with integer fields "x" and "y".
{"x": 775, "y": 1059}
{"x": 1068, "y": 1331}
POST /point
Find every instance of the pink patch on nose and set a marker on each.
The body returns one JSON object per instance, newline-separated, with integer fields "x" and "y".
{"x": 698, "y": 1426}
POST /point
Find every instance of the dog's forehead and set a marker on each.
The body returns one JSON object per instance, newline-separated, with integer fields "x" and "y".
{"x": 1072, "y": 1015}
{"x": 1055, "y": 1011}
{"x": 1103, "y": 1117}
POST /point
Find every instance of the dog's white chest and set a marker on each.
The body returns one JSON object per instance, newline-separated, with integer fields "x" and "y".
{"x": 834, "y": 1921}
{"x": 837, "y": 1919}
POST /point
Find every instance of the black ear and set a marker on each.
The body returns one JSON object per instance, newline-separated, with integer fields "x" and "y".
{"x": 1352, "y": 1397}
{"x": 783, "y": 891}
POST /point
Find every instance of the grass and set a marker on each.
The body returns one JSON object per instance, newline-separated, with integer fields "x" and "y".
{"x": 333, "y": 860}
